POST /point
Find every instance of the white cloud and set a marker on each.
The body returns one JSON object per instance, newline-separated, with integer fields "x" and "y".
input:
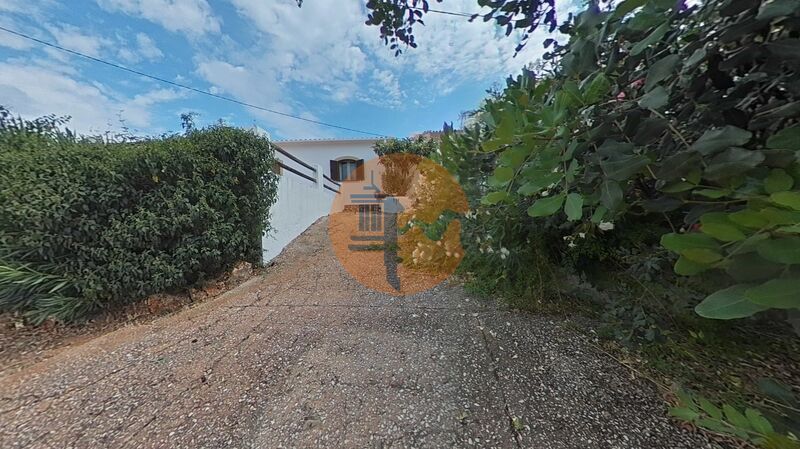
{"x": 9, "y": 40}
{"x": 143, "y": 49}
{"x": 193, "y": 17}
{"x": 148, "y": 48}
{"x": 12, "y": 5}
{"x": 325, "y": 45}
{"x": 321, "y": 43}
{"x": 324, "y": 49}
{"x": 14, "y": 42}
{"x": 389, "y": 84}
{"x": 261, "y": 88}
{"x": 32, "y": 91}
{"x": 72, "y": 38}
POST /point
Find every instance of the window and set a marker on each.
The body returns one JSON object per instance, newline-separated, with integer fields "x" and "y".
{"x": 347, "y": 170}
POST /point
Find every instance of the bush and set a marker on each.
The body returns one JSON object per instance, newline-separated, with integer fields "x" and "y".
{"x": 87, "y": 225}
{"x": 682, "y": 118}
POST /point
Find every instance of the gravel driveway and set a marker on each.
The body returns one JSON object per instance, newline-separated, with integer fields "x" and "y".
{"x": 306, "y": 357}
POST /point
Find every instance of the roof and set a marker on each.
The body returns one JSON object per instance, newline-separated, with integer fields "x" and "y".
{"x": 348, "y": 140}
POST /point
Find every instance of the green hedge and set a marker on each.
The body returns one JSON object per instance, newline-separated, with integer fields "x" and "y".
{"x": 87, "y": 225}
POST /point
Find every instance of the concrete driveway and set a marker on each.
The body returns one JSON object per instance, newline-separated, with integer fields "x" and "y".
{"x": 306, "y": 357}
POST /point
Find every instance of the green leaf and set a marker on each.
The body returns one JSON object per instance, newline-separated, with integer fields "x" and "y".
{"x": 610, "y": 194}
{"x": 681, "y": 242}
{"x": 776, "y": 390}
{"x": 546, "y": 206}
{"x": 735, "y": 417}
{"x": 599, "y": 214}
{"x": 749, "y": 218}
{"x": 776, "y": 8}
{"x": 684, "y": 413}
{"x": 732, "y": 162}
{"x": 758, "y": 422}
{"x": 712, "y": 193}
{"x": 688, "y": 267}
{"x": 776, "y": 294}
{"x": 677, "y": 187}
{"x": 623, "y": 167}
{"x": 514, "y": 157}
{"x": 723, "y": 232}
{"x": 749, "y": 267}
{"x": 778, "y": 181}
{"x": 788, "y": 199}
{"x": 494, "y": 197}
{"x": 784, "y": 250}
{"x": 503, "y": 175}
{"x": 678, "y": 165}
{"x": 698, "y": 56}
{"x": 628, "y": 6}
{"x": 793, "y": 229}
{"x": 701, "y": 255}
{"x": 651, "y": 39}
{"x": 655, "y": 99}
{"x": 597, "y": 89}
{"x": 538, "y": 181}
{"x": 713, "y": 425}
{"x": 718, "y": 139}
{"x": 574, "y": 206}
{"x": 728, "y": 304}
{"x": 777, "y": 216}
{"x": 787, "y": 139}
{"x": 660, "y": 70}
{"x": 711, "y": 409}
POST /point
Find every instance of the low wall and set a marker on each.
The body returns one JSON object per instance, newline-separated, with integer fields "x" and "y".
{"x": 300, "y": 203}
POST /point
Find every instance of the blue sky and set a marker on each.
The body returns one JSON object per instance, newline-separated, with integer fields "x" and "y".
{"x": 319, "y": 61}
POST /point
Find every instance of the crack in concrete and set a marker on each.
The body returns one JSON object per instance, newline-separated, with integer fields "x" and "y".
{"x": 495, "y": 372}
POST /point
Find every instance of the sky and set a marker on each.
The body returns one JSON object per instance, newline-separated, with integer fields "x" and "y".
{"x": 319, "y": 62}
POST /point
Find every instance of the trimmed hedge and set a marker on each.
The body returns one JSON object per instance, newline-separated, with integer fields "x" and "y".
{"x": 87, "y": 225}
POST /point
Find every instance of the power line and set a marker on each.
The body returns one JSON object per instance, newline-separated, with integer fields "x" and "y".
{"x": 450, "y": 13}
{"x": 183, "y": 86}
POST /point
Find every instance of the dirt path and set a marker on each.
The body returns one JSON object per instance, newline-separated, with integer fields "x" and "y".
{"x": 306, "y": 357}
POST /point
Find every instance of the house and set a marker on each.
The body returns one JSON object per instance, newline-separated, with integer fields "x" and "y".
{"x": 340, "y": 159}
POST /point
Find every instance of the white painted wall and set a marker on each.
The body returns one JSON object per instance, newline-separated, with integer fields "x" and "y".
{"x": 300, "y": 203}
{"x": 323, "y": 151}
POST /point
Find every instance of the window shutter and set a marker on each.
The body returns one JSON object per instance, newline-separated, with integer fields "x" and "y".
{"x": 360, "y": 170}
{"x": 335, "y": 171}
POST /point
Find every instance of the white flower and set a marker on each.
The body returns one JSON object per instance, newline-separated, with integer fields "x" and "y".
{"x": 478, "y": 239}
{"x": 489, "y": 250}
{"x": 582, "y": 235}
{"x": 504, "y": 251}
{"x": 502, "y": 256}
{"x": 606, "y": 226}
{"x": 572, "y": 245}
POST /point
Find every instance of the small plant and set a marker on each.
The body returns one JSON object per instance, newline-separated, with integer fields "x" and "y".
{"x": 749, "y": 425}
